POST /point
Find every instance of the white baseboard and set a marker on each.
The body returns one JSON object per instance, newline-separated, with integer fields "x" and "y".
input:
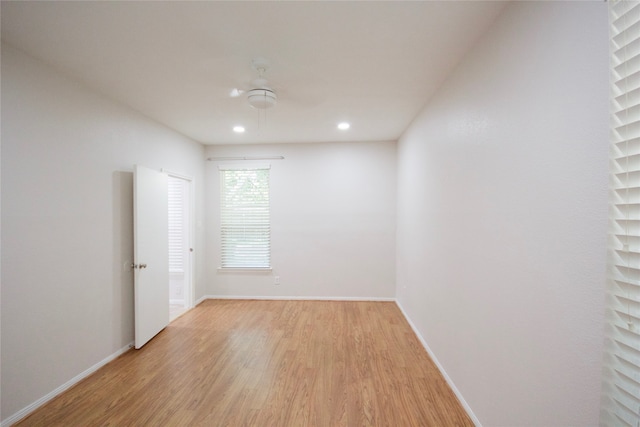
{"x": 202, "y": 298}
{"x": 293, "y": 298}
{"x": 449, "y": 381}
{"x": 176, "y": 301}
{"x": 35, "y": 405}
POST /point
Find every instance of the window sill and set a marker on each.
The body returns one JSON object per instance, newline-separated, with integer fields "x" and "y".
{"x": 245, "y": 270}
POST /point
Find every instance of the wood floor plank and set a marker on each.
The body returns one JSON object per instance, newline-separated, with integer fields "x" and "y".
{"x": 267, "y": 363}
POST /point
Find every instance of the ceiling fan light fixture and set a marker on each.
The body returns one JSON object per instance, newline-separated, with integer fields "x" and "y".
{"x": 261, "y": 99}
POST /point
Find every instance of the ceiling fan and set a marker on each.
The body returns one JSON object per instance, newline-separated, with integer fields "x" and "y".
{"x": 260, "y": 95}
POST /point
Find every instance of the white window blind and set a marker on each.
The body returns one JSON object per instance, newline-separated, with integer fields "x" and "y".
{"x": 622, "y": 360}
{"x": 244, "y": 218}
{"x": 176, "y": 225}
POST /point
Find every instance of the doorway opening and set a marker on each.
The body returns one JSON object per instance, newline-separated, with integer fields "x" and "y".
{"x": 180, "y": 246}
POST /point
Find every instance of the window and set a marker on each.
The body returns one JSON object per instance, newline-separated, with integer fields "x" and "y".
{"x": 244, "y": 218}
{"x": 621, "y": 405}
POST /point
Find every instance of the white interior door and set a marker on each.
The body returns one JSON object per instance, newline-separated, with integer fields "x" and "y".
{"x": 151, "y": 253}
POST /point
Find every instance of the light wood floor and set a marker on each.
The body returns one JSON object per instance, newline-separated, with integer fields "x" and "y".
{"x": 267, "y": 364}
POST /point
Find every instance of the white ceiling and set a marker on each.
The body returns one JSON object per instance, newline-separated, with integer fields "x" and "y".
{"x": 374, "y": 64}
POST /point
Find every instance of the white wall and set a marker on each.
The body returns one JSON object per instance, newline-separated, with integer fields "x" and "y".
{"x": 67, "y": 223}
{"x": 502, "y": 216}
{"x": 333, "y": 221}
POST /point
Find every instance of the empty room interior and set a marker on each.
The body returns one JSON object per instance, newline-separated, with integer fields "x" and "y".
{"x": 434, "y": 175}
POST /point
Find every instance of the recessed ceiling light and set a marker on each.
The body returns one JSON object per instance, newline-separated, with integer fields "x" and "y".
{"x": 344, "y": 126}
{"x": 238, "y": 129}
